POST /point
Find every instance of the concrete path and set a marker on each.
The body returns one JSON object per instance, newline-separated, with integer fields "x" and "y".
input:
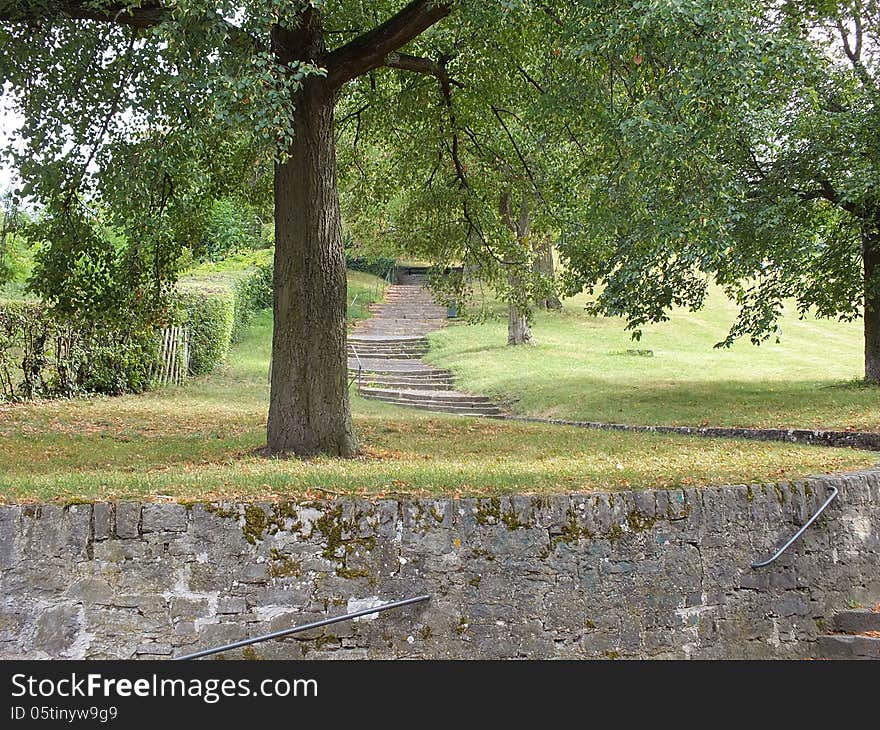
{"x": 386, "y": 351}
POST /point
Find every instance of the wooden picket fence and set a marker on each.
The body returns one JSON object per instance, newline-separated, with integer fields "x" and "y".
{"x": 174, "y": 358}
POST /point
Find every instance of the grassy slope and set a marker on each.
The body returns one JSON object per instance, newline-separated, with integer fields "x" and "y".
{"x": 197, "y": 442}
{"x": 580, "y": 370}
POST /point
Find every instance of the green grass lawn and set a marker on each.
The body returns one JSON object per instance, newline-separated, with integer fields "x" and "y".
{"x": 198, "y": 442}
{"x": 580, "y": 370}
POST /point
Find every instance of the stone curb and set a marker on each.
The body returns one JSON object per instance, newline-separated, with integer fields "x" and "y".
{"x": 867, "y": 440}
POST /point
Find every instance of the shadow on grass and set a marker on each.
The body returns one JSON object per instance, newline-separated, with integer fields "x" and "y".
{"x": 844, "y": 405}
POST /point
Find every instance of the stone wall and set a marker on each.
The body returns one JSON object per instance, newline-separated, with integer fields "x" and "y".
{"x": 640, "y": 574}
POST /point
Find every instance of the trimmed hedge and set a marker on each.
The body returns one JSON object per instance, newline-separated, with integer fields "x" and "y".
{"x": 218, "y": 317}
{"x": 210, "y": 317}
{"x": 253, "y": 293}
{"x": 376, "y": 265}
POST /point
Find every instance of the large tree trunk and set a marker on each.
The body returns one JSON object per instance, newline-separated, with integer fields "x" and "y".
{"x": 871, "y": 260}
{"x": 542, "y": 265}
{"x": 308, "y": 403}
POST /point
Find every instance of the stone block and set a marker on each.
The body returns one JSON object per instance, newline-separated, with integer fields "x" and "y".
{"x": 128, "y": 519}
{"x": 163, "y": 518}
{"x": 102, "y": 514}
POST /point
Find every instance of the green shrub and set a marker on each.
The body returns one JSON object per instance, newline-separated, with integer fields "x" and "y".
{"x": 42, "y": 355}
{"x": 119, "y": 365}
{"x": 253, "y": 293}
{"x": 376, "y": 265}
{"x": 218, "y": 303}
{"x": 231, "y": 226}
{"x": 210, "y": 318}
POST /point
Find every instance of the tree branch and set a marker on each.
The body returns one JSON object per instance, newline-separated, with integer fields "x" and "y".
{"x": 405, "y": 62}
{"x": 853, "y": 51}
{"x": 370, "y": 50}
{"x": 497, "y": 112}
{"x": 121, "y": 81}
{"x": 148, "y": 14}
{"x": 827, "y": 192}
{"x": 473, "y": 227}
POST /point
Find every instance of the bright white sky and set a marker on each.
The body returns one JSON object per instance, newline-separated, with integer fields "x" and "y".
{"x": 9, "y": 122}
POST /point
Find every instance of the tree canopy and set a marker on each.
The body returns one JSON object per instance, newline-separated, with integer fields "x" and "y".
{"x": 731, "y": 142}
{"x": 150, "y": 109}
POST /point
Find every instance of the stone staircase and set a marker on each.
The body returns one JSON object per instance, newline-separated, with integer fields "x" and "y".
{"x": 385, "y": 351}
{"x": 857, "y": 635}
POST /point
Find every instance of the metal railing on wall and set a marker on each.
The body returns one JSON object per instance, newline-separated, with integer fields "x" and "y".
{"x": 304, "y": 627}
{"x": 772, "y": 558}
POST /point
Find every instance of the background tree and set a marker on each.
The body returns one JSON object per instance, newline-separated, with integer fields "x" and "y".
{"x": 471, "y": 179}
{"x": 544, "y": 268}
{"x": 10, "y": 222}
{"x": 734, "y": 142}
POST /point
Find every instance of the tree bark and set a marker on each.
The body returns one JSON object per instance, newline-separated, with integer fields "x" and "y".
{"x": 518, "y": 330}
{"x": 542, "y": 265}
{"x": 871, "y": 261}
{"x": 308, "y": 403}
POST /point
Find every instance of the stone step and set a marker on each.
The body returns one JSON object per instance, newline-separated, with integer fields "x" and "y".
{"x": 423, "y": 396}
{"x": 857, "y": 621}
{"x": 366, "y": 347}
{"x": 400, "y": 376}
{"x": 405, "y": 368}
{"x": 407, "y": 313}
{"x": 402, "y": 346}
{"x": 848, "y": 646}
{"x": 390, "y": 346}
{"x": 398, "y": 369}
{"x": 485, "y": 410}
{"x": 407, "y": 307}
{"x": 378, "y": 355}
{"x": 403, "y": 328}
{"x": 407, "y": 302}
{"x": 405, "y": 384}
{"x": 403, "y": 341}
{"x": 385, "y": 354}
{"x": 414, "y": 294}
{"x": 402, "y": 369}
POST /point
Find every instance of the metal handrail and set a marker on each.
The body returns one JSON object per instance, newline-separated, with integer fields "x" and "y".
{"x": 834, "y": 492}
{"x": 360, "y": 369}
{"x": 304, "y": 627}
